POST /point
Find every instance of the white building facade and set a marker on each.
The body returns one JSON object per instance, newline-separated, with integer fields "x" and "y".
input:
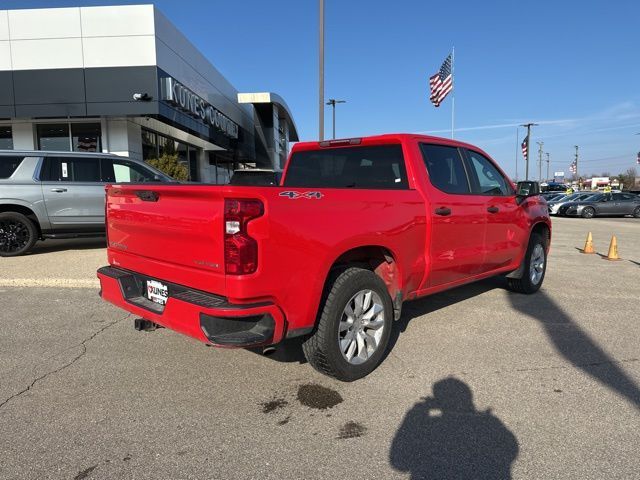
{"x": 124, "y": 80}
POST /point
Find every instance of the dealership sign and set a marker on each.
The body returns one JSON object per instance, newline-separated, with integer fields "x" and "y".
{"x": 181, "y": 97}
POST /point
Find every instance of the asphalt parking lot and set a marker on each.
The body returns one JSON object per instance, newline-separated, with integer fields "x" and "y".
{"x": 479, "y": 383}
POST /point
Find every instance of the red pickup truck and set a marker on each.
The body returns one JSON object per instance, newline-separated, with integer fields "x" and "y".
{"x": 355, "y": 228}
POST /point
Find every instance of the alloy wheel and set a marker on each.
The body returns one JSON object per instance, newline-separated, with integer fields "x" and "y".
{"x": 536, "y": 266}
{"x": 14, "y": 235}
{"x": 361, "y": 326}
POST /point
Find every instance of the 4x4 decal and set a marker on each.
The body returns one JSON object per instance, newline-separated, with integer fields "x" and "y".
{"x": 295, "y": 195}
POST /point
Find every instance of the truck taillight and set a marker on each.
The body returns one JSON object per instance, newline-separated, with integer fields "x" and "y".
{"x": 240, "y": 250}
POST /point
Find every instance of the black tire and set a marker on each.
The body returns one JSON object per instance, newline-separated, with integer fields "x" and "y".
{"x": 18, "y": 234}
{"x": 588, "y": 212}
{"x": 636, "y": 212}
{"x": 322, "y": 348}
{"x": 526, "y": 284}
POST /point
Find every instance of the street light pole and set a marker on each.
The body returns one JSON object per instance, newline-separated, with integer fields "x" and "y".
{"x": 332, "y": 102}
{"x": 528, "y": 125}
{"x": 548, "y": 177}
{"x": 321, "y": 73}
{"x": 540, "y": 144}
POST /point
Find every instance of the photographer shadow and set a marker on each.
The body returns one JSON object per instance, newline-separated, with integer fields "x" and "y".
{"x": 444, "y": 436}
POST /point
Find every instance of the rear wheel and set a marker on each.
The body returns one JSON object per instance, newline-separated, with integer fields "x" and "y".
{"x": 535, "y": 267}
{"x": 354, "y": 326}
{"x": 17, "y": 234}
{"x": 636, "y": 212}
{"x": 588, "y": 212}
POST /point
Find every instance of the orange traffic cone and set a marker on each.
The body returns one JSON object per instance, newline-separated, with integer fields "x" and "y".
{"x": 588, "y": 245}
{"x": 613, "y": 250}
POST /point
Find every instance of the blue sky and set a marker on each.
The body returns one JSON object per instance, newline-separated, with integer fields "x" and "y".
{"x": 571, "y": 66}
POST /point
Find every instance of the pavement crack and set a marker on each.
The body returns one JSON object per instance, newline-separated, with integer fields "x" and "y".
{"x": 82, "y": 344}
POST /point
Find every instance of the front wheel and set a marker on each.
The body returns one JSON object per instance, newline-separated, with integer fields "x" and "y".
{"x": 535, "y": 267}
{"x": 636, "y": 212}
{"x": 354, "y": 326}
{"x": 17, "y": 234}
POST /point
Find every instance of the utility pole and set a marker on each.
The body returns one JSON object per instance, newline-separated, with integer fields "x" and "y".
{"x": 548, "y": 177}
{"x": 528, "y": 125}
{"x": 321, "y": 73}
{"x": 577, "y": 175}
{"x": 332, "y": 102}
{"x": 540, "y": 144}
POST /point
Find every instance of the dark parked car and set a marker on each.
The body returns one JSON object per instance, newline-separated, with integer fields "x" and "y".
{"x": 554, "y": 187}
{"x": 603, "y": 204}
{"x": 255, "y": 177}
{"x": 554, "y": 205}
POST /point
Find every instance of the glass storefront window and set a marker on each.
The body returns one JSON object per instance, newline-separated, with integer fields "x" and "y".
{"x": 63, "y": 137}
{"x": 53, "y": 136}
{"x": 6, "y": 139}
{"x": 86, "y": 137}
{"x": 149, "y": 145}
{"x": 176, "y": 159}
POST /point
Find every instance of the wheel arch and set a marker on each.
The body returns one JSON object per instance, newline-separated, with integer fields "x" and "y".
{"x": 377, "y": 258}
{"x": 26, "y": 211}
{"x": 544, "y": 230}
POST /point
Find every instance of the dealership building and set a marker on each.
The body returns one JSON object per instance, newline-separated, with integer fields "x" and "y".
{"x": 123, "y": 79}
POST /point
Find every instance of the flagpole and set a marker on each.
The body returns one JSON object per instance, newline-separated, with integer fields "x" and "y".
{"x": 517, "y": 146}
{"x": 453, "y": 96}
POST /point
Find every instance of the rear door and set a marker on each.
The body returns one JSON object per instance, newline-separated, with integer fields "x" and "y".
{"x": 73, "y": 192}
{"x": 457, "y": 217}
{"x": 503, "y": 239}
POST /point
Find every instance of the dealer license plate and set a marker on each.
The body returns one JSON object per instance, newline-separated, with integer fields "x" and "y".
{"x": 157, "y": 292}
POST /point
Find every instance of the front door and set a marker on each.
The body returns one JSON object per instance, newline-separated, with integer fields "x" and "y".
{"x": 73, "y": 193}
{"x": 457, "y": 218}
{"x": 505, "y": 232}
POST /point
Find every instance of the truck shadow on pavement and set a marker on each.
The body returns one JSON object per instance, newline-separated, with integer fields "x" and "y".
{"x": 576, "y": 346}
{"x": 567, "y": 337}
{"x": 444, "y": 436}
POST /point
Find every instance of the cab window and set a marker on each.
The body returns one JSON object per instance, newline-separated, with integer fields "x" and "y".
{"x": 71, "y": 169}
{"x": 125, "y": 171}
{"x": 445, "y": 167}
{"x": 8, "y": 165}
{"x": 488, "y": 179}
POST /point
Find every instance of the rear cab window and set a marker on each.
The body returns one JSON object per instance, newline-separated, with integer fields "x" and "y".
{"x": 8, "y": 165}
{"x": 359, "y": 167}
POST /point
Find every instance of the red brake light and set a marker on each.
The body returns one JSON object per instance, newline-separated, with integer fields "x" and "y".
{"x": 240, "y": 250}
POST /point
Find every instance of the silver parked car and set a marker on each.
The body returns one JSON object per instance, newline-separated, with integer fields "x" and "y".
{"x": 59, "y": 194}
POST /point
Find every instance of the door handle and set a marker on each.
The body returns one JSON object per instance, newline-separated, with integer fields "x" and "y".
{"x": 493, "y": 209}
{"x": 444, "y": 211}
{"x": 58, "y": 190}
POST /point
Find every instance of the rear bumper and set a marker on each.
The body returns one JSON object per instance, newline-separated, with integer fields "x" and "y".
{"x": 204, "y": 316}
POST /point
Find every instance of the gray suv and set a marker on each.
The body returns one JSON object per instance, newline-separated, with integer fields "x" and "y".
{"x": 59, "y": 194}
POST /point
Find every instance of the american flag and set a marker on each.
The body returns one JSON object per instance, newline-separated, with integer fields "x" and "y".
{"x": 573, "y": 168}
{"x": 441, "y": 83}
{"x": 524, "y": 146}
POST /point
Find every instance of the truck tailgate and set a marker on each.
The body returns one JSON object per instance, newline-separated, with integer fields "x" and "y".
{"x": 174, "y": 231}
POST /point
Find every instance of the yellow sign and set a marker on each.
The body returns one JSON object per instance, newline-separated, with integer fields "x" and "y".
{"x": 607, "y": 189}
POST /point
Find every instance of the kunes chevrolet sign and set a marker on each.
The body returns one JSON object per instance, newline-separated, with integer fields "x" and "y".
{"x": 180, "y": 96}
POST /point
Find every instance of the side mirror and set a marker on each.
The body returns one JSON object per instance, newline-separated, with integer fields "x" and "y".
{"x": 527, "y": 189}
